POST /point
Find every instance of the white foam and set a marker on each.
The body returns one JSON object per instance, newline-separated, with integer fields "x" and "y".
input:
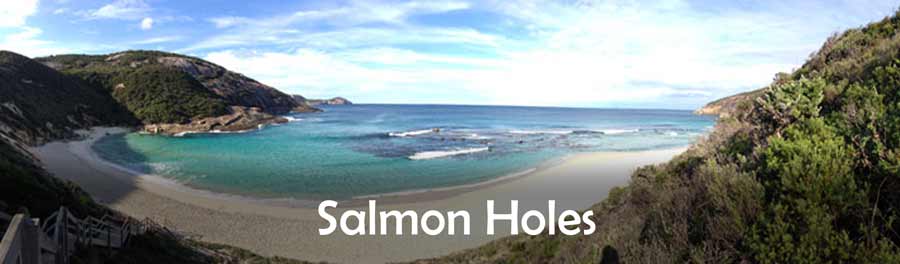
{"x": 292, "y": 119}
{"x": 476, "y": 136}
{"x": 411, "y": 133}
{"x": 567, "y": 132}
{"x": 216, "y": 131}
{"x": 534, "y": 132}
{"x": 426, "y": 155}
{"x": 672, "y": 133}
{"x": 617, "y": 131}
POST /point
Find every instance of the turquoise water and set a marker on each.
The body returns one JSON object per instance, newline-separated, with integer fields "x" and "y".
{"x": 358, "y": 150}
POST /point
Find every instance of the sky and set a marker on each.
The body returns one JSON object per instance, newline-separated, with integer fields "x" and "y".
{"x": 674, "y": 54}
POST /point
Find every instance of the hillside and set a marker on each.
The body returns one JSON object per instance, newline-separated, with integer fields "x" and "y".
{"x": 38, "y": 103}
{"x": 332, "y": 101}
{"x": 171, "y": 93}
{"x": 808, "y": 172}
{"x": 234, "y": 88}
{"x": 724, "y": 107}
{"x": 314, "y": 102}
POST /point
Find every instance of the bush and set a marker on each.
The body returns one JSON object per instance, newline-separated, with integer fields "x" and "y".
{"x": 792, "y": 101}
{"x": 157, "y": 94}
{"x": 811, "y": 187}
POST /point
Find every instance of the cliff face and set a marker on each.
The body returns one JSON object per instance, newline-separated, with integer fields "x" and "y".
{"x": 38, "y": 103}
{"x": 236, "y": 88}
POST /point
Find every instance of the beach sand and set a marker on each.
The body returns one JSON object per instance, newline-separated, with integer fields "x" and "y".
{"x": 291, "y": 229}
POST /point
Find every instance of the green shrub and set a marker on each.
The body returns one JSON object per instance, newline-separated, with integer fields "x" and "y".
{"x": 809, "y": 180}
{"x": 153, "y": 93}
{"x": 157, "y": 94}
{"x": 794, "y": 100}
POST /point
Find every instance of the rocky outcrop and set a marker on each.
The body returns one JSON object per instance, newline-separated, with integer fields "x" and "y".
{"x": 332, "y": 101}
{"x": 235, "y": 88}
{"x": 302, "y": 101}
{"x": 240, "y": 119}
{"x": 726, "y": 106}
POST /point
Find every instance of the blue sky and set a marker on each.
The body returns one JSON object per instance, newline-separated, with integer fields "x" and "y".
{"x": 644, "y": 54}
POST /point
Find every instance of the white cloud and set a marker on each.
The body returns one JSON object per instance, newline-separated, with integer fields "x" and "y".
{"x": 348, "y": 38}
{"x": 147, "y": 23}
{"x": 667, "y": 53}
{"x": 356, "y": 13}
{"x": 225, "y": 22}
{"x": 14, "y": 13}
{"x": 122, "y": 9}
{"x": 157, "y": 40}
{"x": 349, "y": 22}
{"x": 329, "y": 74}
{"x": 585, "y": 55}
{"x": 26, "y": 42}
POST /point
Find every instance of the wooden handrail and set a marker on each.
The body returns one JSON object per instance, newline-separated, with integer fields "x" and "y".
{"x": 21, "y": 242}
{"x": 11, "y": 245}
{"x": 25, "y": 240}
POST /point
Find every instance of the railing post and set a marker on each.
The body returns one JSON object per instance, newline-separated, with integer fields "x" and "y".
{"x": 64, "y": 217}
{"x": 31, "y": 244}
{"x": 122, "y": 234}
{"x": 58, "y": 236}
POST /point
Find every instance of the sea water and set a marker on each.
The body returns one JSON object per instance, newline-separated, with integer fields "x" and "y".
{"x": 360, "y": 150}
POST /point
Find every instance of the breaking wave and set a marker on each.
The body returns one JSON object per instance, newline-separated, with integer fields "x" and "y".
{"x": 413, "y": 133}
{"x": 426, "y": 155}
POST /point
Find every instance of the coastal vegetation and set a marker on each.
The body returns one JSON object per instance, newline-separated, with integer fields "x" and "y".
{"x": 39, "y": 104}
{"x": 161, "y": 95}
{"x": 802, "y": 171}
{"x": 161, "y": 87}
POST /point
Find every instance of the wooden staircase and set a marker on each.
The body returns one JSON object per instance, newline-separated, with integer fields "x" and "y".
{"x": 28, "y": 241}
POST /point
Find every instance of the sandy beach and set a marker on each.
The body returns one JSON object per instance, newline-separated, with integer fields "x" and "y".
{"x": 289, "y": 229}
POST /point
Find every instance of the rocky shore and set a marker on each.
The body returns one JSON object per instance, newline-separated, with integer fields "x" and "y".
{"x": 240, "y": 119}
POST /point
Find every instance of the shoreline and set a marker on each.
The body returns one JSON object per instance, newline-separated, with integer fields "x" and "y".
{"x": 399, "y": 197}
{"x": 287, "y": 227}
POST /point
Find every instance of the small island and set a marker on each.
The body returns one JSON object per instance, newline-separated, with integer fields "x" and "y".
{"x": 314, "y": 102}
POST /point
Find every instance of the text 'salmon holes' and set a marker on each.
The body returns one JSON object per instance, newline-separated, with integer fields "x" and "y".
{"x": 433, "y": 222}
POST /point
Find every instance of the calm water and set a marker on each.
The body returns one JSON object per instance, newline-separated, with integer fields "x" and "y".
{"x": 359, "y": 150}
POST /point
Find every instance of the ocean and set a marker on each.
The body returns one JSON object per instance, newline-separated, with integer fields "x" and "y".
{"x": 360, "y": 150}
